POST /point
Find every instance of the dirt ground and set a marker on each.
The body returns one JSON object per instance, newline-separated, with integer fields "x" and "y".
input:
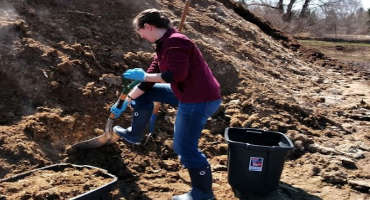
{"x": 60, "y": 66}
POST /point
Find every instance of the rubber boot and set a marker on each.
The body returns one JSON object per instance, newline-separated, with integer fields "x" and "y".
{"x": 201, "y": 182}
{"x": 135, "y": 133}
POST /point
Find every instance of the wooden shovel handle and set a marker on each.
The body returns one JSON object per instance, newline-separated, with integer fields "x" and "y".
{"x": 183, "y": 16}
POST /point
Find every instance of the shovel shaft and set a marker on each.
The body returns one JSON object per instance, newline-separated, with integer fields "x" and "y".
{"x": 125, "y": 90}
{"x": 183, "y": 15}
{"x": 107, "y": 137}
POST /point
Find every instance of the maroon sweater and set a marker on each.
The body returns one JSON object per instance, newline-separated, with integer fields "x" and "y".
{"x": 182, "y": 64}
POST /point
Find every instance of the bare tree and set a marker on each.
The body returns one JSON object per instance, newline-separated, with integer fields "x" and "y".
{"x": 280, "y": 6}
{"x": 332, "y": 22}
{"x": 368, "y": 22}
{"x": 304, "y": 9}
{"x": 316, "y": 16}
{"x": 361, "y": 19}
{"x": 288, "y": 15}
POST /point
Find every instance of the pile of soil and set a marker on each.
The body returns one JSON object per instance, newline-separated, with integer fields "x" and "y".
{"x": 60, "y": 63}
{"x": 48, "y": 183}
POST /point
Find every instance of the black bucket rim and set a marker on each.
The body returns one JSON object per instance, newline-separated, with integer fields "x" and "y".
{"x": 259, "y": 131}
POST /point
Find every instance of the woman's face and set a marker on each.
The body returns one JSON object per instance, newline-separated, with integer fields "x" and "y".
{"x": 147, "y": 32}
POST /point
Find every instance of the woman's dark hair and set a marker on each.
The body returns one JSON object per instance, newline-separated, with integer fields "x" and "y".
{"x": 153, "y": 17}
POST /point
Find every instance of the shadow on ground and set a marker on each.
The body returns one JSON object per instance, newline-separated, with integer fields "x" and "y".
{"x": 109, "y": 157}
{"x": 284, "y": 192}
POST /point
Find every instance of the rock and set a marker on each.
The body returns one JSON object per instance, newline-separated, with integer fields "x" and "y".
{"x": 54, "y": 84}
{"x": 350, "y": 150}
{"x": 98, "y": 131}
{"x": 360, "y": 185}
{"x": 312, "y": 148}
{"x": 358, "y": 155}
{"x": 321, "y": 149}
{"x": 335, "y": 177}
{"x": 348, "y": 163}
{"x": 234, "y": 102}
{"x": 299, "y": 145}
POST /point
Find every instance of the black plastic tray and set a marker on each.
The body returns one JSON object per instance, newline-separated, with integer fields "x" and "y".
{"x": 97, "y": 193}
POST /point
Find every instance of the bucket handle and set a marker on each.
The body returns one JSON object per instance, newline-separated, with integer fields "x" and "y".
{"x": 254, "y": 130}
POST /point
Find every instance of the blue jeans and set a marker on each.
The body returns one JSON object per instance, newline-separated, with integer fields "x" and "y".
{"x": 190, "y": 121}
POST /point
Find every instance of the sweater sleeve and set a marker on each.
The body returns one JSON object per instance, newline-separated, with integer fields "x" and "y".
{"x": 177, "y": 59}
{"x": 154, "y": 66}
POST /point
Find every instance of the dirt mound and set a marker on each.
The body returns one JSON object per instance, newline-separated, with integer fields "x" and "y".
{"x": 60, "y": 64}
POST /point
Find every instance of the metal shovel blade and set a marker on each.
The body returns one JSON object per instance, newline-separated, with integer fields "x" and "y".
{"x": 98, "y": 141}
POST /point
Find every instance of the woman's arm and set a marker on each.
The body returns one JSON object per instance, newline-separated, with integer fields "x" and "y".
{"x": 156, "y": 78}
{"x": 134, "y": 93}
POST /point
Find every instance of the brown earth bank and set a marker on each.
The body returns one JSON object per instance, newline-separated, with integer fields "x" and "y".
{"x": 60, "y": 66}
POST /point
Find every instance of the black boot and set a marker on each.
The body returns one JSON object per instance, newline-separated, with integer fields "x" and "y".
{"x": 135, "y": 133}
{"x": 201, "y": 182}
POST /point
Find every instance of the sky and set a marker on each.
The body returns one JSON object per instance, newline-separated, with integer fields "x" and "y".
{"x": 366, "y": 4}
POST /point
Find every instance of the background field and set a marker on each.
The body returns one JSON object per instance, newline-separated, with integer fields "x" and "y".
{"x": 357, "y": 53}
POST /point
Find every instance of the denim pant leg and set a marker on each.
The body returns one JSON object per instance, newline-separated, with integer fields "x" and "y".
{"x": 190, "y": 121}
{"x": 143, "y": 107}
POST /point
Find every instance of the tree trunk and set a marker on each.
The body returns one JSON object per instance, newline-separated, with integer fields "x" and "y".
{"x": 304, "y": 10}
{"x": 368, "y": 22}
{"x": 288, "y": 14}
{"x": 280, "y": 6}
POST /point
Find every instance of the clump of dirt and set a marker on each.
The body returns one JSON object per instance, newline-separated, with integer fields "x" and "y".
{"x": 61, "y": 62}
{"x": 54, "y": 184}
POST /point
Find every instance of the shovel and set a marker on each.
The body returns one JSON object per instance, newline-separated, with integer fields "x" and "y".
{"x": 108, "y": 137}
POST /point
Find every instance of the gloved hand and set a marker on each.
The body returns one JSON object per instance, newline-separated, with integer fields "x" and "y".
{"x": 118, "y": 111}
{"x": 135, "y": 74}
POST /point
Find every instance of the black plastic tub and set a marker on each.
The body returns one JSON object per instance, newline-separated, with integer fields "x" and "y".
{"x": 97, "y": 193}
{"x": 255, "y": 160}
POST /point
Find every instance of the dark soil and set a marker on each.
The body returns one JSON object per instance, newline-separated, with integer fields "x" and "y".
{"x": 60, "y": 67}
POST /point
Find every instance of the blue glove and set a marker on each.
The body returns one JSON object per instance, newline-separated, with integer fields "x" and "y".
{"x": 116, "y": 111}
{"x": 135, "y": 74}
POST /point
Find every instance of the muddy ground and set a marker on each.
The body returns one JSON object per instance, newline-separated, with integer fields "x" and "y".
{"x": 60, "y": 66}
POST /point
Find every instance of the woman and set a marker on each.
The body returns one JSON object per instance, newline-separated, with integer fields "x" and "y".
{"x": 178, "y": 76}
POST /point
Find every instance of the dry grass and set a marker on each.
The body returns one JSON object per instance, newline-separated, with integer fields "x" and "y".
{"x": 348, "y": 37}
{"x": 344, "y": 51}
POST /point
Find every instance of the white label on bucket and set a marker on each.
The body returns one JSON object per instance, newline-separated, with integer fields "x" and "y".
{"x": 255, "y": 164}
